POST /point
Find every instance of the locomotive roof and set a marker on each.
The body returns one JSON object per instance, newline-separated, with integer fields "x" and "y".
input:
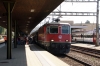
{"x": 58, "y": 23}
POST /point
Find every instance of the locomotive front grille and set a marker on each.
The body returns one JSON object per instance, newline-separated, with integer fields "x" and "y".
{"x": 59, "y": 45}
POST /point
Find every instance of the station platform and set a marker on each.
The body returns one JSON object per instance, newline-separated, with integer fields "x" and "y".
{"x": 29, "y": 55}
{"x": 91, "y": 46}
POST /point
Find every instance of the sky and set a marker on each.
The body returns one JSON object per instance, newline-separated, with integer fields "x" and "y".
{"x": 73, "y": 7}
{"x": 78, "y": 7}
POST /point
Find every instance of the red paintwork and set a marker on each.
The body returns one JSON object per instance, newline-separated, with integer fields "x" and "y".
{"x": 43, "y": 36}
{"x": 94, "y": 39}
{"x": 56, "y": 38}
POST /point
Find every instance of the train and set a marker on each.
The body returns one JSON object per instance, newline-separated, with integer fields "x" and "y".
{"x": 54, "y": 37}
{"x": 87, "y": 37}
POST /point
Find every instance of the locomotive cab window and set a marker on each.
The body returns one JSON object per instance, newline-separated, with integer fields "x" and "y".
{"x": 54, "y": 29}
{"x": 65, "y": 29}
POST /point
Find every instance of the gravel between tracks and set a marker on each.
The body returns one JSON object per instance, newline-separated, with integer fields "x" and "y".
{"x": 85, "y": 58}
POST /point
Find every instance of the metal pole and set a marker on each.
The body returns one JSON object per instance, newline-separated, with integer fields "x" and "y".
{"x": 97, "y": 24}
{"x": 9, "y": 6}
{"x": 15, "y": 37}
{"x": 9, "y": 33}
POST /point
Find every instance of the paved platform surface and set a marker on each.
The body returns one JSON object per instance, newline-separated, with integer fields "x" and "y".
{"x": 86, "y": 45}
{"x": 29, "y": 55}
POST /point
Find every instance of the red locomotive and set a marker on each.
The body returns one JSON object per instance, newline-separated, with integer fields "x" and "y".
{"x": 55, "y": 37}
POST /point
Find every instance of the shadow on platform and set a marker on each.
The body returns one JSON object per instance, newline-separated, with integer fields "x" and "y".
{"x": 18, "y": 56}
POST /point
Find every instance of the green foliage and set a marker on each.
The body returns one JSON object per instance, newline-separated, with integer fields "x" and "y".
{"x": 87, "y": 22}
{"x": 2, "y": 30}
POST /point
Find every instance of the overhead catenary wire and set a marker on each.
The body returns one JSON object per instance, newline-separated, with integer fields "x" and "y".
{"x": 77, "y": 7}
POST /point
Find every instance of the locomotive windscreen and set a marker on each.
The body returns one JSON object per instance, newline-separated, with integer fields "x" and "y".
{"x": 65, "y": 29}
{"x": 53, "y": 29}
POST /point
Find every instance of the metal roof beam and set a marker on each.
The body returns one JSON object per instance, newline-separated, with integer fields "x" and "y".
{"x": 80, "y": 1}
{"x": 73, "y": 14}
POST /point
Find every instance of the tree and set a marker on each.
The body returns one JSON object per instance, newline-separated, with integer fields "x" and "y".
{"x": 87, "y": 22}
{"x": 0, "y": 30}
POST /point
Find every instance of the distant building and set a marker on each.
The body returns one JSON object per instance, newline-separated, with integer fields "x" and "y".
{"x": 89, "y": 26}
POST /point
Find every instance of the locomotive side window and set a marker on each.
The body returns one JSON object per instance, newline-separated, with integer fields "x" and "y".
{"x": 65, "y": 29}
{"x": 47, "y": 30}
{"x": 54, "y": 29}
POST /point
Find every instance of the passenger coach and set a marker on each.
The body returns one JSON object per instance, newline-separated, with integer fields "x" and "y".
{"x": 88, "y": 37}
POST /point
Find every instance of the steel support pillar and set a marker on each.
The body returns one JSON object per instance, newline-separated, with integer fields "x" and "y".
{"x": 15, "y": 37}
{"x": 9, "y": 6}
{"x": 97, "y": 24}
{"x": 9, "y": 56}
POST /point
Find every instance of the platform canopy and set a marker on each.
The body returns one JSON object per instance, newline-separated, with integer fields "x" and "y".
{"x": 77, "y": 27}
{"x": 27, "y": 13}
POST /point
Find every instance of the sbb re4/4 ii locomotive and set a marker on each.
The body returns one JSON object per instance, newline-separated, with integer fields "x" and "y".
{"x": 55, "y": 37}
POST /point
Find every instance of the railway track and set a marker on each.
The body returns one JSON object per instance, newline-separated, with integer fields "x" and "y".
{"x": 78, "y": 60}
{"x": 89, "y": 50}
{"x": 80, "y": 57}
{"x": 87, "y": 53}
{"x": 72, "y": 60}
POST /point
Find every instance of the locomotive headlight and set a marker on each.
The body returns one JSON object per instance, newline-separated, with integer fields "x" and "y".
{"x": 52, "y": 40}
{"x": 66, "y": 40}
